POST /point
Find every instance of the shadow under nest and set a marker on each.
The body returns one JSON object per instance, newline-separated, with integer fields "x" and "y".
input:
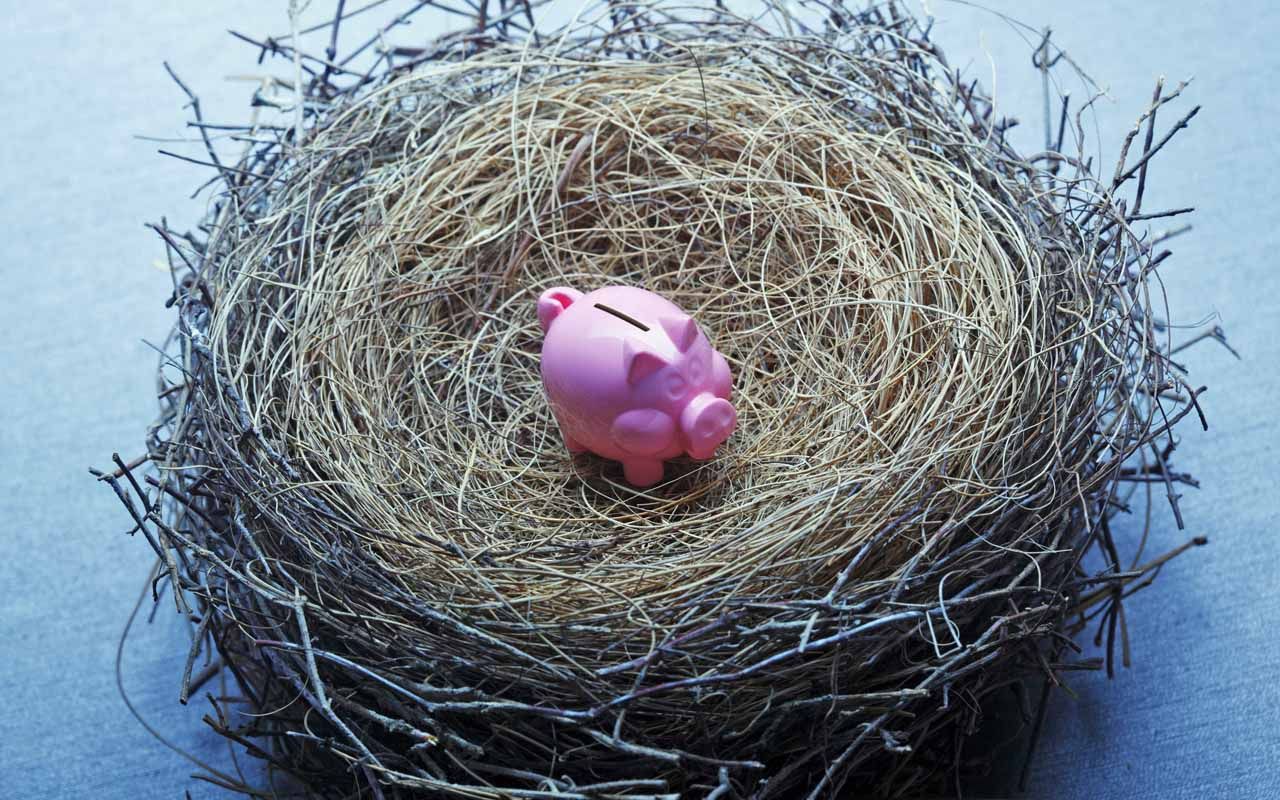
{"x": 948, "y": 372}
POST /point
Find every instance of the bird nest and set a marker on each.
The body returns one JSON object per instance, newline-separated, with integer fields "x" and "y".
{"x": 946, "y": 361}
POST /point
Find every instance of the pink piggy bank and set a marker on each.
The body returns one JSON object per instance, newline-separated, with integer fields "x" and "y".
{"x": 630, "y": 377}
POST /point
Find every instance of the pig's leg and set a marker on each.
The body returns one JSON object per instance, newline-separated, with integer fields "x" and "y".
{"x": 642, "y": 434}
{"x": 572, "y": 444}
{"x": 643, "y": 431}
{"x": 642, "y": 471}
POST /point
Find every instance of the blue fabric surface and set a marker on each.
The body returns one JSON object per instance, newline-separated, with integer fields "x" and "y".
{"x": 1198, "y": 714}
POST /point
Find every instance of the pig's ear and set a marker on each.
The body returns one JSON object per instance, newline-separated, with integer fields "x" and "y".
{"x": 682, "y": 331}
{"x": 640, "y": 364}
{"x": 553, "y": 301}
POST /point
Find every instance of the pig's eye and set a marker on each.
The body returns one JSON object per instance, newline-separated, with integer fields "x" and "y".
{"x": 675, "y": 384}
{"x": 696, "y": 371}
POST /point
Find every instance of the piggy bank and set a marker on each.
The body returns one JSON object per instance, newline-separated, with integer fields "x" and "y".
{"x": 630, "y": 377}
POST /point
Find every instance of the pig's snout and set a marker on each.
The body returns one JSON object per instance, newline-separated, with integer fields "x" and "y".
{"x": 706, "y": 422}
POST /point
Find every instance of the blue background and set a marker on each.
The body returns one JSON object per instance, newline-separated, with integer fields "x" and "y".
{"x": 1197, "y": 715}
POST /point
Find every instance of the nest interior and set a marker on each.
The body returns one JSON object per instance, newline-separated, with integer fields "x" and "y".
{"x": 944, "y": 355}
{"x": 875, "y": 334}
